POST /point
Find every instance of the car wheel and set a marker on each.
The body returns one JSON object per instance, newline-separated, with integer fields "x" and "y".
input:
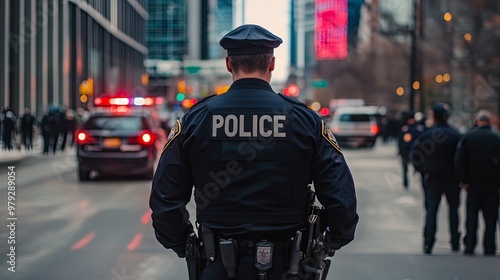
{"x": 83, "y": 175}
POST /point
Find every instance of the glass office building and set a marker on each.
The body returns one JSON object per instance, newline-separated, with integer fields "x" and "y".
{"x": 49, "y": 47}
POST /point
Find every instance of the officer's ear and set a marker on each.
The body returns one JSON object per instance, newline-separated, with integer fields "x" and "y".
{"x": 228, "y": 65}
{"x": 271, "y": 65}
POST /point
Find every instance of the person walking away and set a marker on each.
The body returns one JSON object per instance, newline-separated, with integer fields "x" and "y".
{"x": 27, "y": 123}
{"x": 433, "y": 154}
{"x": 478, "y": 168}
{"x": 50, "y": 131}
{"x": 65, "y": 127}
{"x": 9, "y": 125}
{"x": 407, "y": 135}
{"x": 250, "y": 154}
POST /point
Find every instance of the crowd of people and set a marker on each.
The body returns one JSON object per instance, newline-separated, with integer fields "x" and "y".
{"x": 448, "y": 162}
{"x": 55, "y": 126}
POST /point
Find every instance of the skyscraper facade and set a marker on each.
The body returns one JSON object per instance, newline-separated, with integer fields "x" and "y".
{"x": 167, "y": 29}
{"x": 52, "y": 47}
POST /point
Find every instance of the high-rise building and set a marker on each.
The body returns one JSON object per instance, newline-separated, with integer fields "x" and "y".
{"x": 166, "y": 29}
{"x": 50, "y": 48}
{"x": 183, "y": 41}
{"x": 219, "y": 22}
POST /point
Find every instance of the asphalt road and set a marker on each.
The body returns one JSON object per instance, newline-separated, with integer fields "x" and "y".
{"x": 100, "y": 230}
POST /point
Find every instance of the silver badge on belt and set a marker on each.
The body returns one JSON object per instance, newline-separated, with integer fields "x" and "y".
{"x": 263, "y": 256}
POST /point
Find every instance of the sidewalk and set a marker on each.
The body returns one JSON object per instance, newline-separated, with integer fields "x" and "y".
{"x": 13, "y": 156}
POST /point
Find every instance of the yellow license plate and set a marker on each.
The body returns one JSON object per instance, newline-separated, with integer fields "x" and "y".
{"x": 111, "y": 143}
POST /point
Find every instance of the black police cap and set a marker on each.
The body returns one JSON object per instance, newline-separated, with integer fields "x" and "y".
{"x": 250, "y": 39}
{"x": 441, "y": 108}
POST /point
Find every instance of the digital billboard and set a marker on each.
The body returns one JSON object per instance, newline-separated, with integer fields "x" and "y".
{"x": 330, "y": 30}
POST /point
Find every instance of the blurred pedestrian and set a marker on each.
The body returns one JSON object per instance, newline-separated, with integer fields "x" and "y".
{"x": 64, "y": 126}
{"x": 71, "y": 125}
{"x": 407, "y": 136}
{"x": 8, "y": 129}
{"x": 50, "y": 130}
{"x": 432, "y": 154}
{"x": 478, "y": 168}
{"x": 28, "y": 122}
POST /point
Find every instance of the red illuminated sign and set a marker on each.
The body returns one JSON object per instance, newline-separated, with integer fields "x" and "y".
{"x": 330, "y": 29}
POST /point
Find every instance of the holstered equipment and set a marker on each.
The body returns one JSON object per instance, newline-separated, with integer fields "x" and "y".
{"x": 193, "y": 257}
{"x": 229, "y": 256}
{"x": 209, "y": 243}
{"x": 313, "y": 262}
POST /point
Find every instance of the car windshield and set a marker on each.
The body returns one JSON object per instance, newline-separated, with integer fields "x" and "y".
{"x": 354, "y": 118}
{"x": 115, "y": 123}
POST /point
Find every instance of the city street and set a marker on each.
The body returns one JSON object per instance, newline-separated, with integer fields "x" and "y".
{"x": 101, "y": 230}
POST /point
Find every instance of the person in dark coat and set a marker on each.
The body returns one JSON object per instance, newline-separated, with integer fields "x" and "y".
{"x": 478, "y": 168}
{"x": 407, "y": 136}
{"x": 50, "y": 130}
{"x": 250, "y": 154}
{"x": 8, "y": 129}
{"x": 65, "y": 127}
{"x": 28, "y": 122}
{"x": 433, "y": 154}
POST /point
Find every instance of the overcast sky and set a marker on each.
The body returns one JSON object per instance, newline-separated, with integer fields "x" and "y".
{"x": 274, "y": 15}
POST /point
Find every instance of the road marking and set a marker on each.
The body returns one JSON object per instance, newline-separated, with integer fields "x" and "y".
{"x": 84, "y": 241}
{"x": 135, "y": 242}
{"x": 146, "y": 217}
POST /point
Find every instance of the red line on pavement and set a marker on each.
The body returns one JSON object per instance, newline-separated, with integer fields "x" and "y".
{"x": 84, "y": 241}
{"x": 135, "y": 242}
{"x": 146, "y": 217}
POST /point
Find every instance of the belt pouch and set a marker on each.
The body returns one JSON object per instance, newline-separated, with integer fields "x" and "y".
{"x": 228, "y": 256}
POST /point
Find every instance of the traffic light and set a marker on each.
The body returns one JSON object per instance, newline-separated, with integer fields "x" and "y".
{"x": 180, "y": 96}
{"x": 181, "y": 86}
{"x": 181, "y": 90}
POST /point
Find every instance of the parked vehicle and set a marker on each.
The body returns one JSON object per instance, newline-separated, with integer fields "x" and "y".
{"x": 355, "y": 126}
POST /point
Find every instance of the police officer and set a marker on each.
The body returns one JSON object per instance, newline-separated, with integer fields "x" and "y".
{"x": 250, "y": 154}
{"x": 432, "y": 154}
{"x": 478, "y": 168}
{"x": 407, "y": 135}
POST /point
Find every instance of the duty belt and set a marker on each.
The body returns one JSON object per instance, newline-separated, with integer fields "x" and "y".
{"x": 229, "y": 250}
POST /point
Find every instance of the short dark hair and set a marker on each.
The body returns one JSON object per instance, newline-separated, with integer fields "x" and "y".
{"x": 250, "y": 63}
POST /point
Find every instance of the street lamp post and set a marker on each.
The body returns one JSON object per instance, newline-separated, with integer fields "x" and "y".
{"x": 413, "y": 58}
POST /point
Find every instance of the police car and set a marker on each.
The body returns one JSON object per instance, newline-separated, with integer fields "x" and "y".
{"x": 119, "y": 138}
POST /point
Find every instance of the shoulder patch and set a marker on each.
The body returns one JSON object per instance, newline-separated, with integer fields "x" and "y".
{"x": 328, "y": 135}
{"x": 174, "y": 132}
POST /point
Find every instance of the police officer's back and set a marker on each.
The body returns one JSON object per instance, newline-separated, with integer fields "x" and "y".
{"x": 250, "y": 154}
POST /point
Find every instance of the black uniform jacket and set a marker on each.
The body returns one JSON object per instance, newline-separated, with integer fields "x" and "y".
{"x": 250, "y": 155}
{"x": 434, "y": 151}
{"x": 478, "y": 157}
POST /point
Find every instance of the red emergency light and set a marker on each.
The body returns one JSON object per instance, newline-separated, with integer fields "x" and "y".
{"x": 106, "y": 101}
